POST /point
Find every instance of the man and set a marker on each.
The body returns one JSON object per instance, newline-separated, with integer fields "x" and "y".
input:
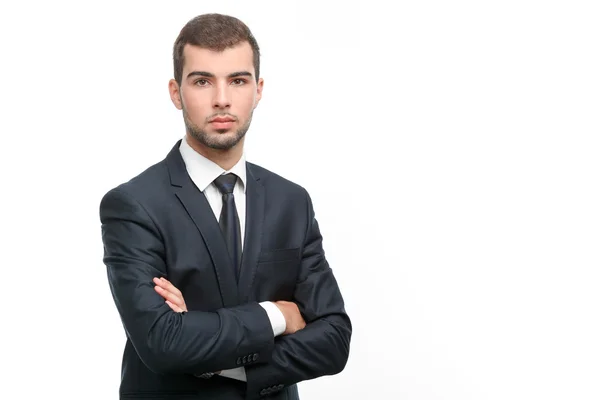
{"x": 215, "y": 264}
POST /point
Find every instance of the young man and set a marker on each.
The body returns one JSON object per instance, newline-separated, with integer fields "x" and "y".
{"x": 215, "y": 264}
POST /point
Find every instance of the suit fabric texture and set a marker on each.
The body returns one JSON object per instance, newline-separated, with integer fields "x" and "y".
{"x": 159, "y": 224}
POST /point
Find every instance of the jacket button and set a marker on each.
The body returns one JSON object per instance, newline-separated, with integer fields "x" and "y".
{"x": 254, "y": 357}
{"x": 245, "y": 360}
{"x": 279, "y": 387}
{"x": 263, "y": 392}
{"x": 239, "y": 361}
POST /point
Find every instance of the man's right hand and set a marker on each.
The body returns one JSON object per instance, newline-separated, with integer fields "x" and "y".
{"x": 293, "y": 319}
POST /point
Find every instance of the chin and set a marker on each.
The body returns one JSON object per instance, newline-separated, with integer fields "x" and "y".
{"x": 224, "y": 141}
{"x": 220, "y": 132}
{"x": 217, "y": 139}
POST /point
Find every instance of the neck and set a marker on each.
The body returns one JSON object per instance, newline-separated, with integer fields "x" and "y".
{"x": 225, "y": 159}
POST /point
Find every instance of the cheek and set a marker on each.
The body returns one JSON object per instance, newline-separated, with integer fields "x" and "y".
{"x": 194, "y": 105}
{"x": 189, "y": 99}
{"x": 246, "y": 104}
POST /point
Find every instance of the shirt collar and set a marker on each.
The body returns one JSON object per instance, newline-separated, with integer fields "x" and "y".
{"x": 204, "y": 171}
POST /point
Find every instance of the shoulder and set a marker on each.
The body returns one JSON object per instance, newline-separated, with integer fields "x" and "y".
{"x": 141, "y": 188}
{"x": 275, "y": 182}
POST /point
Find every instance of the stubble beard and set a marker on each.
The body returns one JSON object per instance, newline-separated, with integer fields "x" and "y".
{"x": 218, "y": 141}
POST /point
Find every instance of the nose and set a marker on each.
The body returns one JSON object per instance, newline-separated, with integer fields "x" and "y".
{"x": 222, "y": 97}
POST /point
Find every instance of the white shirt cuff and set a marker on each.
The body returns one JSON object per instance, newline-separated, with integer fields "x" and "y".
{"x": 236, "y": 373}
{"x": 275, "y": 316}
{"x": 277, "y": 323}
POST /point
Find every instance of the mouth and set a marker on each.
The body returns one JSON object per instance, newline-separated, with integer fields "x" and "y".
{"x": 221, "y": 120}
{"x": 222, "y": 123}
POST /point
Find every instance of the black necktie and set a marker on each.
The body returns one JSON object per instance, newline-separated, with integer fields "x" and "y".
{"x": 229, "y": 220}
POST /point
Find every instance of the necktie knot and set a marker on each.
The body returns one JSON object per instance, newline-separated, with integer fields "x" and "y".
{"x": 226, "y": 183}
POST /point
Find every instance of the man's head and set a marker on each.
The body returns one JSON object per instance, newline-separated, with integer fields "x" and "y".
{"x": 216, "y": 84}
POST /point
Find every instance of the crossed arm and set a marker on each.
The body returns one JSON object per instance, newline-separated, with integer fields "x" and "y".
{"x": 174, "y": 299}
{"x": 196, "y": 342}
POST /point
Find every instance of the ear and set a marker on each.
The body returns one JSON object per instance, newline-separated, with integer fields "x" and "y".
{"x": 259, "y": 89}
{"x": 174, "y": 93}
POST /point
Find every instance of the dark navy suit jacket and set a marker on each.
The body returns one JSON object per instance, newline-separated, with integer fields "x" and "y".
{"x": 160, "y": 224}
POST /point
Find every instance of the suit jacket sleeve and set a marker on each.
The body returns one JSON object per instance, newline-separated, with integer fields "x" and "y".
{"x": 322, "y": 347}
{"x": 168, "y": 342}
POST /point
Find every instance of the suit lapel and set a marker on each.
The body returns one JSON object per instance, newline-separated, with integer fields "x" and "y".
{"x": 255, "y": 208}
{"x": 200, "y": 212}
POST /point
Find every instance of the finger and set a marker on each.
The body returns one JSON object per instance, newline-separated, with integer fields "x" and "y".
{"x": 165, "y": 284}
{"x": 161, "y": 291}
{"x": 169, "y": 296}
{"x": 161, "y": 282}
{"x": 174, "y": 307}
{"x": 170, "y": 287}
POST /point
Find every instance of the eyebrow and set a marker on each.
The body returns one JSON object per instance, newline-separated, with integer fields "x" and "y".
{"x": 211, "y": 75}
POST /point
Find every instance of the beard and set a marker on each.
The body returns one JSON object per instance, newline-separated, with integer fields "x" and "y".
{"x": 220, "y": 140}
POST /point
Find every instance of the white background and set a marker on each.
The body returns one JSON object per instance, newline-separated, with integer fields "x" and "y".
{"x": 465, "y": 227}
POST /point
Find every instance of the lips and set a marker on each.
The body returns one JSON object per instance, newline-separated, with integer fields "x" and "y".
{"x": 222, "y": 124}
{"x": 222, "y": 119}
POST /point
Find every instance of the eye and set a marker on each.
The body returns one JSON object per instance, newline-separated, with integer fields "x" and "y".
{"x": 201, "y": 82}
{"x": 238, "y": 81}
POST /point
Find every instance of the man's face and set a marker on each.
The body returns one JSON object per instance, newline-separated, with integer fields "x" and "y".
{"x": 218, "y": 94}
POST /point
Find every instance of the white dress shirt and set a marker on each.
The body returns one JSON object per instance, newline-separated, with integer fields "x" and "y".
{"x": 203, "y": 172}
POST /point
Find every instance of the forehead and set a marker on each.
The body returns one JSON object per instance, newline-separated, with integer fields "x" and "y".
{"x": 232, "y": 59}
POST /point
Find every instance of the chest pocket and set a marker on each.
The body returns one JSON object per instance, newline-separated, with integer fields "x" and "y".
{"x": 277, "y": 273}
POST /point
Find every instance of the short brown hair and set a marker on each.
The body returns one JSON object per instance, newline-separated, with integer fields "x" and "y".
{"x": 215, "y": 32}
